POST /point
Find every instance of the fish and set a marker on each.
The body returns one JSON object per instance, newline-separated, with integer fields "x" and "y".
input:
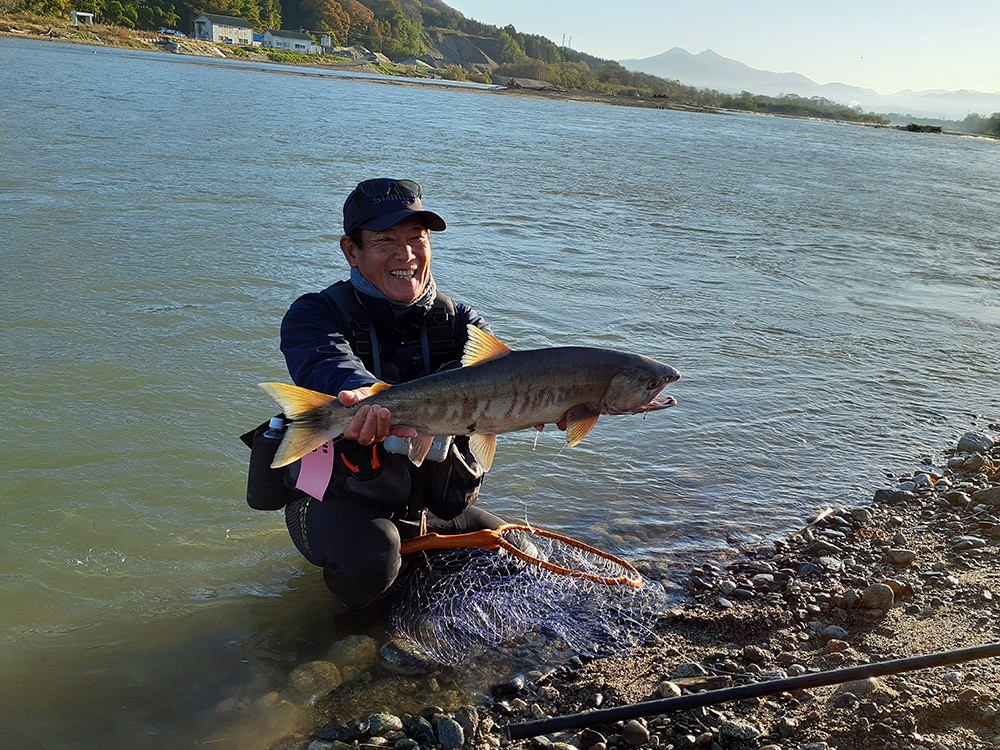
{"x": 495, "y": 391}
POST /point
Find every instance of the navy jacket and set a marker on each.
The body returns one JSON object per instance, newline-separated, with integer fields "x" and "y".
{"x": 323, "y": 353}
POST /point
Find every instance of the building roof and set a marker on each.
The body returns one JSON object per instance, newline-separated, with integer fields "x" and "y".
{"x": 227, "y": 20}
{"x": 290, "y": 34}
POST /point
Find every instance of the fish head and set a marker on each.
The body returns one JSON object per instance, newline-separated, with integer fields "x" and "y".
{"x": 638, "y": 387}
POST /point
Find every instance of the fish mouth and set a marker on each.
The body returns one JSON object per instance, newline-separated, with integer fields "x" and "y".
{"x": 659, "y": 401}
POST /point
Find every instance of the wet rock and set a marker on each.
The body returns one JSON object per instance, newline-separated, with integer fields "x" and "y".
{"x": 402, "y": 657}
{"x": 972, "y": 442}
{"x": 314, "y": 679}
{"x": 358, "y": 651}
{"x": 890, "y": 497}
{"x": 976, "y": 463}
{"x": 450, "y": 733}
{"x": 819, "y": 548}
{"x": 335, "y": 731}
{"x": 382, "y": 723}
{"x": 957, "y": 498}
{"x": 510, "y": 688}
{"x": 420, "y": 730}
{"x": 987, "y": 496}
{"x": 468, "y": 717}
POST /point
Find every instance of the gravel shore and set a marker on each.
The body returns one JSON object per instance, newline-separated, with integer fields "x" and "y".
{"x": 913, "y": 572}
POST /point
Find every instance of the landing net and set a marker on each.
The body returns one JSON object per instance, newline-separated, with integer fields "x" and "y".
{"x": 520, "y": 585}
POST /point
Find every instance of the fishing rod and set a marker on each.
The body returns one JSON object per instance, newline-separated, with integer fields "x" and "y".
{"x": 742, "y": 692}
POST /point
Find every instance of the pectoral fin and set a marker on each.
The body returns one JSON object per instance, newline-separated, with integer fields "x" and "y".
{"x": 580, "y": 420}
{"x": 483, "y": 447}
{"x": 419, "y": 447}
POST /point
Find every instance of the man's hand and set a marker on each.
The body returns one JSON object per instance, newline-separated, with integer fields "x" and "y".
{"x": 371, "y": 423}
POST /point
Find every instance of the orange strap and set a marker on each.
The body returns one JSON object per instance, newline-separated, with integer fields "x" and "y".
{"x": 493, "y": 538}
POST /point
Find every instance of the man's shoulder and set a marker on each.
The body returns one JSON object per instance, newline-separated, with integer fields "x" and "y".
{"x": 322, "y": 304}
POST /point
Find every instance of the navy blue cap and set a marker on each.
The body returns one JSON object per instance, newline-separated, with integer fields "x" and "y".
{"x": 384, "y": 202}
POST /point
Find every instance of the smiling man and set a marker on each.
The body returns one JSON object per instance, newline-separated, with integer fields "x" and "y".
{"x": 387, "y": 323}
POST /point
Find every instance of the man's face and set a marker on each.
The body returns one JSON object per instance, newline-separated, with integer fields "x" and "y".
{"x": 396, "y": 260}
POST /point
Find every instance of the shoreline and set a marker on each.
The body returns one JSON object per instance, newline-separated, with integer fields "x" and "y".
{"x": 915, "y": 572}
{"x": 362, "y": 70}
{"x": 144, "y": 41}
{"x": 120, "y": 38}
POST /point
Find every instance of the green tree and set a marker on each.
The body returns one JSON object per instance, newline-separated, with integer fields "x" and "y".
{"x": 509, "y": 49}
{"x": 49, "y": 7}
{"x": 324, "y": 15}
{"x": 118, "y": 14}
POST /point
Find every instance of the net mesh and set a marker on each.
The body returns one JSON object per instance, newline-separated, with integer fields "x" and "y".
{"x": 456, "y": 604}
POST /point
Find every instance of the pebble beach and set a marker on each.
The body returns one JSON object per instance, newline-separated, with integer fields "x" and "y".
{"x": 914, "y": 572}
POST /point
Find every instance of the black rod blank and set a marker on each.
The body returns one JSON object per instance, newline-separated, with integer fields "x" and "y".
{"x": 742, "y": 692}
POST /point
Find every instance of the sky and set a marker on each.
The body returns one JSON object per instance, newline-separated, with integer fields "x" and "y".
{"x": 886, "y": 45}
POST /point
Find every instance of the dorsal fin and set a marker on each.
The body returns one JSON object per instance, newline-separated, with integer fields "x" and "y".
{"x": 482, "y": 346}
{"x": 378, "y": 388}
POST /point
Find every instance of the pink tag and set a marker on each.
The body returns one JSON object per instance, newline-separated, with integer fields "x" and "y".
{"x": 315, "y": 471}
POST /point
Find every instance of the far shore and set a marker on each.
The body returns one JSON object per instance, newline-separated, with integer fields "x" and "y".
{"x": 99, "y": 36}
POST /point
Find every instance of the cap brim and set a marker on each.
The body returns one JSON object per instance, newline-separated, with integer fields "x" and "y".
{"x": 431, "y": 220}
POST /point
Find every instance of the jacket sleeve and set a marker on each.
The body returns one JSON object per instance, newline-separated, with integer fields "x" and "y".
{"x": 467, "y": 316}
{"x": 317, "y": 351}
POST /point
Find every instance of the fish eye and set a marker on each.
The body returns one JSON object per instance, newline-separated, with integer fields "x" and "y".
{"x": 654, "y": 383}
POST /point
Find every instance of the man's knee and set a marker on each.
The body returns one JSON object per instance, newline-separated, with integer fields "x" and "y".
{"x": 359, "y": 572}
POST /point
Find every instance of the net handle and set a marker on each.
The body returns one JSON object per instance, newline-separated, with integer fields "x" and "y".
{"x": 494, "y": 538}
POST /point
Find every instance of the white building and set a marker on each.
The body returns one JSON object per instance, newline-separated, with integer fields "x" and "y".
{"x": 223, "y": 30}
{"x": 293, "y": 41}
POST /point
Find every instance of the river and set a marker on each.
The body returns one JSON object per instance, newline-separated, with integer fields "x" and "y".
{"x": 830, "y": 292}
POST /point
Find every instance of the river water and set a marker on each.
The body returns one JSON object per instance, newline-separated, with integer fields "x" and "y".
{"x": 831, "y": 294}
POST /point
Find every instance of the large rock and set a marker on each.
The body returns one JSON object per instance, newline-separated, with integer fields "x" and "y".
{"x": 988, "y": 496}
{"x": 972, "y": 442}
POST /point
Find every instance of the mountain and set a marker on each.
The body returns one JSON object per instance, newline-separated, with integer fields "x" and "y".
{"x": 713, "y": 71}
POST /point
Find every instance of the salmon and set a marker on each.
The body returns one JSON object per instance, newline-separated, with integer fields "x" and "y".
{"x": 497, "y": 390}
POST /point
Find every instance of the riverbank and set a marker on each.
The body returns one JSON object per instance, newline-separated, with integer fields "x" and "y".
{"x": 47, "y": 29}
{"x": 914, "y": 572}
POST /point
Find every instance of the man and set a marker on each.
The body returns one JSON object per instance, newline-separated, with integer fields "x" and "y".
{"x": 388, "y": 323}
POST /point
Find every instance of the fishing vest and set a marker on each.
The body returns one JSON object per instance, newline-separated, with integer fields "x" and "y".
{"x": 411, "y": 351}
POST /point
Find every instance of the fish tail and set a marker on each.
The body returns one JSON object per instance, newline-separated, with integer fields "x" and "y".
{"x": 311, "y": 426}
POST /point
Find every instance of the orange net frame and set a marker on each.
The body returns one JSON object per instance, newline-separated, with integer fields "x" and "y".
{"x": 584, "y": 562}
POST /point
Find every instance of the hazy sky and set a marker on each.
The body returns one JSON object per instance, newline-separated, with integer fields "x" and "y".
{"x": 886, "y": 45}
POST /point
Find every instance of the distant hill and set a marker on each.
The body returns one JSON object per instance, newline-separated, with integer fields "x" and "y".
{"x": 711, "y": 70}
